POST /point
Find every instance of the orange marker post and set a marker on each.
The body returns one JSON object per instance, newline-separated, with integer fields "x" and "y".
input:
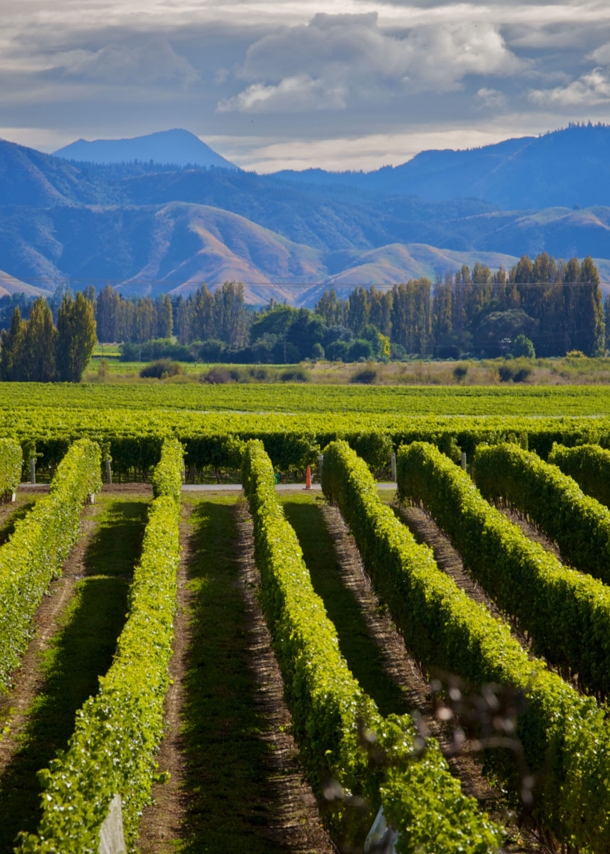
{"x": 308, "y": 477}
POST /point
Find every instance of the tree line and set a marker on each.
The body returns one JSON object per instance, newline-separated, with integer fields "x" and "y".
{"x": 540, "y": 306}
{"x": 39, "y": 351}
{"x": 558, "y": 306}
{"x": 203, "y": 315}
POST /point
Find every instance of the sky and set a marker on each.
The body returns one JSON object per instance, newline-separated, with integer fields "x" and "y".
{"x": 275, "y": 85}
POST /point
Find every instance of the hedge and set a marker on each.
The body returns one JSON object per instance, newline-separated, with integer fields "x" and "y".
{"x": 564, "y": 736}
{"x": 39, "y": 546}
{"x": 565, "y": 613}
{"x": 167, "y": 476}
{"x": 579, "y": 524}
{"x": 115, "y": 741}
{"x": 11, "y": 460}
{"x": 329, "y": 708}
{"x": 589, "y": 465}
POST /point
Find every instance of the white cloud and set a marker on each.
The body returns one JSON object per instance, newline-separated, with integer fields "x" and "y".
{"x": 371, "y": 151}
{"x": 600, "y": 54}
{"x": 491, "y": 98}
{"x": 292, "y": 94}
{"x": 319, "y": 64}
{"x": 588, "y": 90}
{"x": 117, "y": 64}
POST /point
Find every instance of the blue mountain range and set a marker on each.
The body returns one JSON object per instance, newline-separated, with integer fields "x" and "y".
{"x": 164, "y": 213}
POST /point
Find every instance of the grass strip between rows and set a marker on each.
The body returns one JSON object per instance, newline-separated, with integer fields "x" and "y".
{"x": 38, "y": 547}
{"x": 589, "y": 465}
{"x": 565, "y": 737}
{"x": 114, "y": 745}
{"x": 330, "y": 710}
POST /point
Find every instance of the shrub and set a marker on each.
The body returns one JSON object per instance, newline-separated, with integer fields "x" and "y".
{"x": 217, "y": 376}
{"x": 161, "y": 369}
{"x": 523, "y": 346}
{"x": 360, "y": 348}
{"x": 294, "y": 375}
{"x": 459, "y": 373}
{"x": 366, "y": 376}
{"x": 516, "y": 373}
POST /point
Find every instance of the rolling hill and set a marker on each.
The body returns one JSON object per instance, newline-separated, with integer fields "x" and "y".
{"x": 150, "y": 228}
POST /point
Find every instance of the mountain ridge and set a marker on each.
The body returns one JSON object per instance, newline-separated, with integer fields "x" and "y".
{"x": 148, "y": 228}
{"x": 176, "y": 146}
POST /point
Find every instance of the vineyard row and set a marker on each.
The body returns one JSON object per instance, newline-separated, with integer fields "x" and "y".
{"x": 337, "y": 726}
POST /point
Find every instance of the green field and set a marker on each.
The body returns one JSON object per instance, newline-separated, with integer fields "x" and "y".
{"x": 287, "y": 398}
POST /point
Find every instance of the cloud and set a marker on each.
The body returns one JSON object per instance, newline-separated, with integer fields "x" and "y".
{"x": 292, "y": 94}
{"x": 334, "y": 56}
{"x": 600, "y": 54}
{"x": 588, "y": 90}
{"x": 118, "y": 64}
{"x": 491, "y": 98}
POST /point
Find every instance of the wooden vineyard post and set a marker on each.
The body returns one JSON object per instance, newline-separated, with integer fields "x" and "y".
{"x": 32, "y": 469}
{"x": 108, "y": 471}
{"x": 393, "y": 464}
{"x": 112, "y": 839}
{"x": 464, "y": 461}
{"x": 320, "y": 465}
{"x": 308, "y": 477}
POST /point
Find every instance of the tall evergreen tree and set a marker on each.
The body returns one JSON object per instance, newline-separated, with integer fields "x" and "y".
{"x": 39, "y": 343}
{"x": 107, "y": 315}
{"x": 165, "y": 322}
{"x": 183, "y": 321}
{"x": 331, "y": 309}
{"x": 358, "y": 312}
{"x": 591, "y": 312}
{"x": 11, "y": 357}
{"x": 75, "y": 337}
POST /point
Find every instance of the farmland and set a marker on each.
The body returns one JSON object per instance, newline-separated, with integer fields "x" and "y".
{"x": 260, "y": 670}
{"x": 298, "y": 398}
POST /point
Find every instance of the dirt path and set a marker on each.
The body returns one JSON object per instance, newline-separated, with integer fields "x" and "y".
{"x": 425, "y": 530}
{"x": 398, "y": 662}
{"x": 298, "y": 826}
{"x": 530, "y": 530}
{"x": 29, "y": 677}
{"x": 403, "y": 668}
{"x": 162, "y": 822}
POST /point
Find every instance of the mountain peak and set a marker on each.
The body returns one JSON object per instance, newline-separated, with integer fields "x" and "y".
{"x": 176, "y": 146}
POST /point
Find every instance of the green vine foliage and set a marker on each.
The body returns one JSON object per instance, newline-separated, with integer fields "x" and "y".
{"x": 579, "y": 524}
{"x": 564, "y": 735}
{"x": 589, "y": 465}
{"x": 38, "y": 547}
{"x": 167, "y": 476}
{"x": 566, "y": 613}
{"x": 292, "y": 439}
{"x": 114, "y": 746}
{"x": 329, "y": 708}
{"x": 11, "y": 461}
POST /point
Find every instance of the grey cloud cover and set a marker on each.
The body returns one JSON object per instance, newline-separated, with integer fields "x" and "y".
{"x": 278, "y": 84}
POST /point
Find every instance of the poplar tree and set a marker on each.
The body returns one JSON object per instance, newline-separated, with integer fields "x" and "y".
{"x": 11, "y": 357}
{"x": 165, "y": 319}
{"x": 75, "y": 337}
{"x": 39, "y": 344}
